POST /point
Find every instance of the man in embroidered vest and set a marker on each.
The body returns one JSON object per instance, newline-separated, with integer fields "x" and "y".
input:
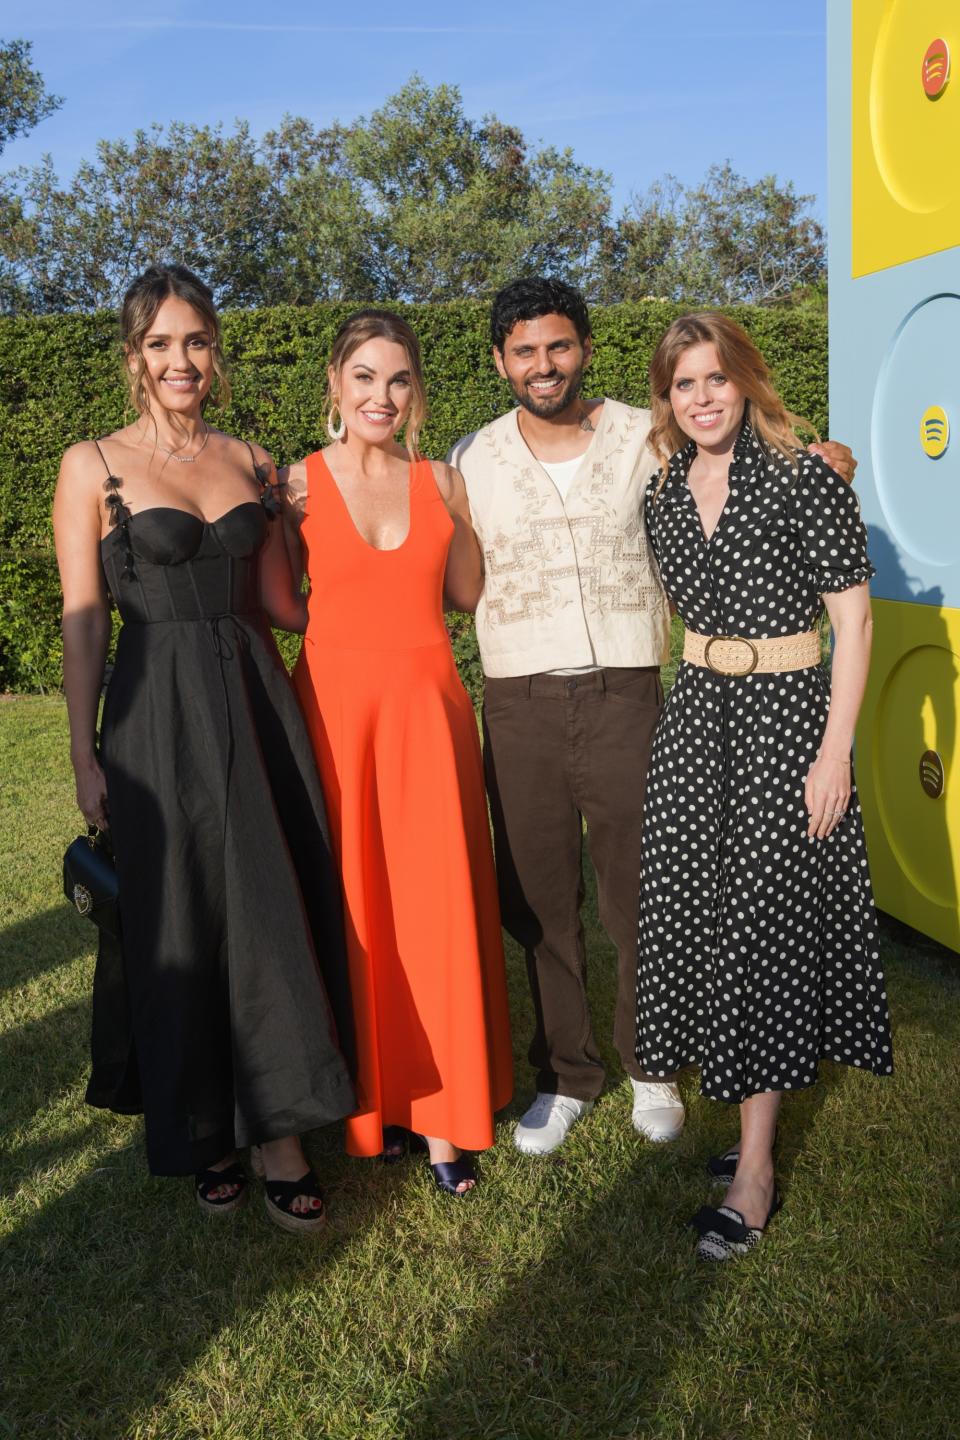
{"x": 573, "y": 627}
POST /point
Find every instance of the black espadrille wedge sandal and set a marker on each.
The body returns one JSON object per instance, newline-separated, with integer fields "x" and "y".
{"x": 207, "y": 1182}
{"x": 280, "y": 1194}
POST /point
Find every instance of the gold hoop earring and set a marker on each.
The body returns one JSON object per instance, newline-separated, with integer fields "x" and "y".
{"x": 336, "y": 432}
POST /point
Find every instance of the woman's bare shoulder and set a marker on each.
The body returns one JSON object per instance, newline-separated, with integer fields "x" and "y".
{"x": 96, "y": 459}
{"x": 238, "y": 451}
{"x": 84, "y": 467}
{"x": 449, "y": 480}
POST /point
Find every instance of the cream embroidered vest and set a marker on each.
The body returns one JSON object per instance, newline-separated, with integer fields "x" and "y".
{"x": 567, "y": 583}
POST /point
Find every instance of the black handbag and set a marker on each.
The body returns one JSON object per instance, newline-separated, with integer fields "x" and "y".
{"x": 90, "y": 880}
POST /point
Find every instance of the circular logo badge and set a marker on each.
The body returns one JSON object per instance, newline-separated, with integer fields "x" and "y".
{"x": 931, "y": 774}
{"x": 934, "y": 431}
{"x": 935, "y": 71}
{"x": 82, "y": 899}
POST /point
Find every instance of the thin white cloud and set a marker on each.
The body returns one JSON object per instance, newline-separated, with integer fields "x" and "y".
{"x": 295, "y": 28}
{"x": 259, "y": 28}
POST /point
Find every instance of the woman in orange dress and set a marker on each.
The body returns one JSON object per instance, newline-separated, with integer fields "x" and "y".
{"x": 386, "y": 541}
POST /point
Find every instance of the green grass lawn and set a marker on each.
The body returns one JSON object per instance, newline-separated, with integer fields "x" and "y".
{"x": 562, "y": 1300}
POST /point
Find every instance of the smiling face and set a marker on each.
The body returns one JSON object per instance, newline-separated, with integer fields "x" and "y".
{"x": 373, "y": 389}
{"x": 706, "y": 405}
{"x": 544, "y": 360}
{"x": 177, "y": 355}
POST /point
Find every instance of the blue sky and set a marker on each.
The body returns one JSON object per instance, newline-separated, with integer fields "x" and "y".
{"x": 636, "y": 87}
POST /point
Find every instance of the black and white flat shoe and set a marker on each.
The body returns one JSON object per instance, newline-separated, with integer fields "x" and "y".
{"x": 723, "y": 1168}
{"x": 724, "y": 1233}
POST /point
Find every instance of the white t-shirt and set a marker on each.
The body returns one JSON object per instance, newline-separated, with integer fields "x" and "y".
{"x": 561, "y": 472}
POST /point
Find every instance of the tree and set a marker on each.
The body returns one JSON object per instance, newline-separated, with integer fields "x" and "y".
{"x": 24, "y": 100}
{"x": 416, "y": 203}
{"x": 222, "y": 204}
{"x": 724, "y": 241}
{"x": 461, "y": 208}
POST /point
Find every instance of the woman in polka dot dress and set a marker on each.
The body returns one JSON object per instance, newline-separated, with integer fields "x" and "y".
{"x": 758, "y": 951}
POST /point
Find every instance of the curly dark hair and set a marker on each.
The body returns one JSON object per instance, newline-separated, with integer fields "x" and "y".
{"x": 531, "y": 297}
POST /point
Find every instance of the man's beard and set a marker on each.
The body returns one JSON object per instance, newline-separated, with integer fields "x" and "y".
{"x": 547, "y": 409}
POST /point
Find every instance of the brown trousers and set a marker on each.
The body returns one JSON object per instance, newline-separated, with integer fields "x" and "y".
{"x": 559, "y": 750}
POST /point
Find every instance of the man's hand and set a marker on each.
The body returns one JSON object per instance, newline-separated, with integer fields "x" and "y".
{"x": 838, "y": 457}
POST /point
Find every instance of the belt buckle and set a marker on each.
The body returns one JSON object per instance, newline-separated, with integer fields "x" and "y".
{"x": 739, "y": 640}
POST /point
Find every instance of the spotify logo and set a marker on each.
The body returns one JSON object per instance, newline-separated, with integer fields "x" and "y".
{"x": 934, "y": 431}
{"x": 935, "y": 71}
{"x": 931, "y": 774}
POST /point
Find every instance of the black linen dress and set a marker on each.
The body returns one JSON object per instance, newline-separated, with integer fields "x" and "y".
{"x": 758, "y": 949}
{"x": 213, "y": 1016}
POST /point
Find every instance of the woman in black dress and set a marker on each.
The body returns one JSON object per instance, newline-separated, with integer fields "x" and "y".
{"x": 758, "y": 951}
{"x": 224, "y": 1013}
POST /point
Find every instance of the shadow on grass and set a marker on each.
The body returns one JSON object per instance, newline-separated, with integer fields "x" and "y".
{"x": 49, "y": 1151}
{"x": 117, "y": 1288}
{"x": 40, "y": 1059}
{"x": 33, "y": 947}
{"x": 846, "y": 1322}
{"x": 618, "y": 1332}
{"x": 582, "y": 1344}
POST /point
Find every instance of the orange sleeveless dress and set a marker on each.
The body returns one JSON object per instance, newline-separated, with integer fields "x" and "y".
{"x": 396, "y": 742}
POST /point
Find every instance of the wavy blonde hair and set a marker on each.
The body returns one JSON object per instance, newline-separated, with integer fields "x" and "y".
{"x": 740, "y": 360}
{"x": 141, "y": 303}
{"x": 356, "y": 330}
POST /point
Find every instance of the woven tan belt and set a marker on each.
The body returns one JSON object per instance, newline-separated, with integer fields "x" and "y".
{"x": 735, "y": 655}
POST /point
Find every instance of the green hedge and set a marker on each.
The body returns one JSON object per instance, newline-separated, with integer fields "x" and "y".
{"x": 60, "y": 382}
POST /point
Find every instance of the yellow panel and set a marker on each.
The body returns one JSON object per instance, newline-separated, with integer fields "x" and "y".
{"x": 905, "y": 142}
{"x": 908, "y": 766}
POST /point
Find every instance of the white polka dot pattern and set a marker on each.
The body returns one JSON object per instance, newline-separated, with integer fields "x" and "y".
{"x": 758, "y": 950}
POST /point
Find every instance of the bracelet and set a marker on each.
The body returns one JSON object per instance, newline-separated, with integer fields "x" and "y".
{"x": 834, "y": 759}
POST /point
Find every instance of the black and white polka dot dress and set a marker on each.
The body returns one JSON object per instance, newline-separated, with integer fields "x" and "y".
{"x": 758, "y": 951}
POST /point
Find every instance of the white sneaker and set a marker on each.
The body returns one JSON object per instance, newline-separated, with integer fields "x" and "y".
{"x": 547, "y": 1123}
{"x": 658, "y": 1111}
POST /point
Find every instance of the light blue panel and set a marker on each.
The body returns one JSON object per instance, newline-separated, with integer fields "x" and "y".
{"x": 894, "y": 351}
